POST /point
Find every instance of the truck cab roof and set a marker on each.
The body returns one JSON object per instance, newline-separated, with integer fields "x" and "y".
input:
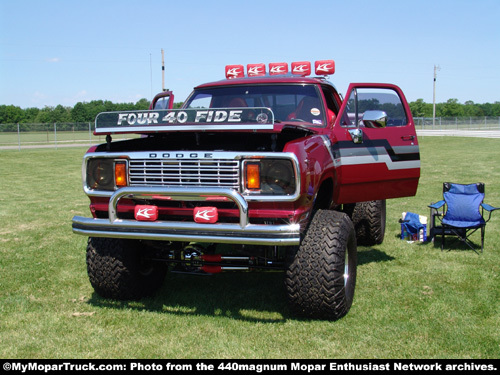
{"x": 268, "y": 79}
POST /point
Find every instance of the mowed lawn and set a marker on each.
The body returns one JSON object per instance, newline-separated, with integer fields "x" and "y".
{"x": 412, "y": 300}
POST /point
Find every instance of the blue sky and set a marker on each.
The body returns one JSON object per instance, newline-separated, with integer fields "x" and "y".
{"x": 62, "y": 52}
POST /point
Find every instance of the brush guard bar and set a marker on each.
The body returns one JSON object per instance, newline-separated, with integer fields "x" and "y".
{"x": 241, "y": 233}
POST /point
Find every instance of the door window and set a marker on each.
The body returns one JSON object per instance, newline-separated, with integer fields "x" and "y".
{"x": 384, "y": 100}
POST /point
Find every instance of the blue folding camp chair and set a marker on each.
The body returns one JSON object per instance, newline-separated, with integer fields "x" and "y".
{"x": 464, "y": 213}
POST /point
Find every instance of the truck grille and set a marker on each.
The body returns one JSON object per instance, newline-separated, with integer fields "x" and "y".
{"x": 192, "y": 172}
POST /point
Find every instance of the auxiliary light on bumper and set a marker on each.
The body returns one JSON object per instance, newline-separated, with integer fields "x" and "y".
{"x": 240, "y": 233}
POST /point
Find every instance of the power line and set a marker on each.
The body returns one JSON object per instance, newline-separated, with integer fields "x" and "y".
{"x": 436, "y": 68}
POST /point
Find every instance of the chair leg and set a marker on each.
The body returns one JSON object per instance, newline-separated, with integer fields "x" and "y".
{"x": 462, "y": 236}
{"x": 442, "y": 237}
{"x": 483, "y": 229}
{"x": 465, "y": 238}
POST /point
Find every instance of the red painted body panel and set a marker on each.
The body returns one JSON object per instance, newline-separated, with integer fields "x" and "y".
{"x": 385, "y": 165}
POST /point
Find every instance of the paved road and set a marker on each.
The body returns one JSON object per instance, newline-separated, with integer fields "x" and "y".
{"x": 59, "y": 145}
{"x": 461, "y": 133}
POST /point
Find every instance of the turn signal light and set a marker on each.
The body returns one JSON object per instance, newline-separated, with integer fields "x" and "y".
{"x": 120, "y": 174}
{"x": 253, "y": 176}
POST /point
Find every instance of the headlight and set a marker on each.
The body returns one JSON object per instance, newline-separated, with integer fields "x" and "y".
{"x": 270, "y": 177}
{"x": 278, "y": 177}
{"x": 100, "y": 174}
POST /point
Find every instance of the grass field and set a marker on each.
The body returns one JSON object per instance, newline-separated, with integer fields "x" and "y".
{"x": 411, "y": 300}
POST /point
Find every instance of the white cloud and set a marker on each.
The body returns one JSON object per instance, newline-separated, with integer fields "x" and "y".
{"x": 39, "y": 97}
{"x": 81, "y": 94}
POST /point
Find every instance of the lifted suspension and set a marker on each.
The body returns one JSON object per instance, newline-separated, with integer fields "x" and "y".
{"x": 193, "y": 259}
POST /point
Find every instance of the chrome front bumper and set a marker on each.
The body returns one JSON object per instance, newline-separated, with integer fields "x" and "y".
{"x": 241, "y": 233}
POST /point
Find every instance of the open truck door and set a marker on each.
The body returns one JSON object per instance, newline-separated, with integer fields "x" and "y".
{"x": 163, "y": 100}
{"x": 375, "y": 145}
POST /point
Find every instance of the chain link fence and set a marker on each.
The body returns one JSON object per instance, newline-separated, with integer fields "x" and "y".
{"x": 19, "y": 136}
{"x": 457, "y": 123}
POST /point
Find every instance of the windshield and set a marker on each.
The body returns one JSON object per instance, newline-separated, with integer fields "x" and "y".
{"x": 296, "y": 103}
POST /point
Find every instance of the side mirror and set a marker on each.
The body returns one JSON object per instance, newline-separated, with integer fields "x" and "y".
{"x": 356, "y": 135}
{"x": 375, "y": 119}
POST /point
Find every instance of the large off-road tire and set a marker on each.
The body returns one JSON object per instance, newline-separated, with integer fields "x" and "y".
{"x": 320, "y": 281}
{"x": 369, "y": 222}
{"x": 117, "y": 269}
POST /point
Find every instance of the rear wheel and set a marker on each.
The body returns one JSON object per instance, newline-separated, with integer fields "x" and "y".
{"x": 369, "y": 222}
{"x": 321, "y": 279}
{"x": 118, "y": 269}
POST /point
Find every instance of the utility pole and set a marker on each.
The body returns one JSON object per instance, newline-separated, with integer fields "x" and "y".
{"x": 436, "y": 68}
{"x": 162, "y": 70}
{"x": 151, "y": 74}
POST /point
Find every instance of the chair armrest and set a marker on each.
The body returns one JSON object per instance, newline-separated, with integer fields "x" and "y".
{"x": 489, "y": 208}
{"x": 436, "y": 205}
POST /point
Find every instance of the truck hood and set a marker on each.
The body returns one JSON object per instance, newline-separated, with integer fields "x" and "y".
{"x": 273, "y": 140}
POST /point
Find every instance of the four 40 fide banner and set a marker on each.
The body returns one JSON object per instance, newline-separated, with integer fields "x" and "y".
{"x": 184, "y": 119}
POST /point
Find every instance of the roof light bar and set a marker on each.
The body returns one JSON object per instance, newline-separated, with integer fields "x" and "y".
{"x": 278, "y": 68}
{"x": 254, "y": 70}
{"x": 301, "y": 68}
{"x": 324, "y": 67}
{"x": 235, "y": 71}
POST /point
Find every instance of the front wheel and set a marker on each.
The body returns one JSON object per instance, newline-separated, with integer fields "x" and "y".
{"x": 321, "y": 279}
{"x": 118, "y": 269}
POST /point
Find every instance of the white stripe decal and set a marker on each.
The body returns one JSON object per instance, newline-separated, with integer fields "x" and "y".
{"x": 377, "y": 159}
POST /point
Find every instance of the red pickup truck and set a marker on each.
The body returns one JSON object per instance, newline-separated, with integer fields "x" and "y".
{"x": 263, "y": 171}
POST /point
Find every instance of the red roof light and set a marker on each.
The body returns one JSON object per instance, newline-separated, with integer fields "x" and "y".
{"x": 254, "y": 70}
{"x": 278, "y": 68}
{"x": 235, "y": 71}
{"x": 301, "y": 68}
{"x": 324, "y": 67}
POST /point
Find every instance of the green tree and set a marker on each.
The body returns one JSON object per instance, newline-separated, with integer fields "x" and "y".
{"x": 142, "y": 104}
{"x": 61, "y": 114}
{"x": 452, "y": 108}
{"x": 79, "y": 113}
{"x": 472, "y": 110}
{"x": 44, "y": 116}
{"x": 490, "y": 109}
{"x": 420, "y": 108}
{"x": 94, "y": 108}
{"x": 30, "y": 114}
{"x": 10, "y": 114}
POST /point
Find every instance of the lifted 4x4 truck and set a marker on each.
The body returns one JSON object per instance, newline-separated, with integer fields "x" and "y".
{"x": 268, "y": 171}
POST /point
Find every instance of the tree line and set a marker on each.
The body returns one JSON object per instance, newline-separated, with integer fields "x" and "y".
{"x": 452, "y": 108}
{"x": 81, "y": 113}
{"x": 87, "y": 111}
